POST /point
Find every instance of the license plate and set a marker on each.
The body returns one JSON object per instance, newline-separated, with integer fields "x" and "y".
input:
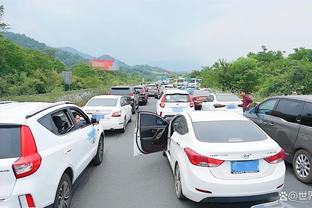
{"x": 177, "y": 110}
{"x": 240, "y": 167}
{"x": 98, "y": 117}
{"x": 231, "y": 106}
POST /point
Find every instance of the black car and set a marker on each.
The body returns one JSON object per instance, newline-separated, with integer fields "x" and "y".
{"x": 288, "y": 120}
{"x": 127, "y": 91}
{"x": 143, "y": 92}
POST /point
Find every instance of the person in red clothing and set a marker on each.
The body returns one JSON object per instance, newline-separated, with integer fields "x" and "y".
{"x": 247, "y": 100}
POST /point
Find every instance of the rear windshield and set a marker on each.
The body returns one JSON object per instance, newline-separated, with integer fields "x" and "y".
{"x": 102, "y": 102}
{"x": 120, "y": 91}
{"x": 176, "y": 98}
{"x": 227, "y": 131}
{"x": 9, "y": 142}
{"x": 227, "y": 98}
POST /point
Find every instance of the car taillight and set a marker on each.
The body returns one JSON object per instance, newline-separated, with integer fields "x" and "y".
{"x": 162, "y": 102}
{"x": 116, "y": 114}
{"x": 191, "y": 101}
{"x": 201, "y": 160}
{"x": 30, "y": 160}
{"x": 27, "y": 201}
{"x": 217, "y": 105}
{"x": 279, "y": 157}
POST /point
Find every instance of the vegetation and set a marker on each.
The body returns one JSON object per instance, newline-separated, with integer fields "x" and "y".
{"x": 264, "y": 73}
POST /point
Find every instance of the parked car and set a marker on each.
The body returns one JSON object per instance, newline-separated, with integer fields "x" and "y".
{"x": 173, "y": 102}
{"x": 288, "y": 120}
{"x": 223, "y": 101}
{"x": 142, "y": 91}
{"x": 43, "y": 150}
{"x": 127, "y": 91}
{"x": 152, "y": 90}
{"x": 113, "y": 111}
{"x": 214, "y": 155}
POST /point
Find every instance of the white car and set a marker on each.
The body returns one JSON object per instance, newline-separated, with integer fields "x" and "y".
{"x": 43, "y": 150}
{"x": 173, "y": 102}
{"x": 214, "y": 155}
{"x": 113, "y": 111}
{"x": 223, "y": 101}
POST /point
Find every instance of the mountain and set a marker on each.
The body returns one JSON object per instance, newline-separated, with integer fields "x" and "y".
{"x": 68, "y": 58}
{"x": 76, "y": 52}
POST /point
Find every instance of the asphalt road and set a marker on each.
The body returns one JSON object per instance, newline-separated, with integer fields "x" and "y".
{"x": 125, "y": 181}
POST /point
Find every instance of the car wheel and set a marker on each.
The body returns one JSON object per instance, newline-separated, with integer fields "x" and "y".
{"x": 63, "y": 195}
{"x": 302, "y": 166}
{"x": 98, "y": 158}
{"x": 177, "y": 183}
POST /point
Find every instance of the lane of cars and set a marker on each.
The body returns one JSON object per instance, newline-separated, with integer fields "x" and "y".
{"x": 204, "y": 158}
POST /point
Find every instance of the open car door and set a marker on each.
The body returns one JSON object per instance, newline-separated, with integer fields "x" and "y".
{"x": 151, "y": 133}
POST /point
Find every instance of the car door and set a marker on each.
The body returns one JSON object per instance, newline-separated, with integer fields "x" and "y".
{"x": 178, "y": 128}
{"x": 125, "y": 107}
{"x": 85, "y": 138}
{"x": 262, "y": 114}
{"x": 285, "y": 123}
{"x": 151, "y": 133}
{"x": 304, "y": 138}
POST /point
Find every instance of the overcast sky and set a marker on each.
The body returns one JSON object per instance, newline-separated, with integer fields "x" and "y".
{"x": 174, "y": 34}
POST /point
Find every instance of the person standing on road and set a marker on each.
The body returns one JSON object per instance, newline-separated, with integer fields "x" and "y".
{"x": 247, "y": 100}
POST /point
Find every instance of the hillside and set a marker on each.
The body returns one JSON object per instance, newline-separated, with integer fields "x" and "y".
{"x": 76, "y": 52}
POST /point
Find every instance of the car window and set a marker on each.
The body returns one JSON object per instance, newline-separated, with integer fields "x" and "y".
{"x": 62, "y": 122}
{"x": 288, "y": 110}
{"x": 151, "y": 120}
{"x": 172, "y": 98}
{"x": 80, "y": 119}
{"x": 179, "y": 125}
{"x": 306, "y": 118}
{"x": 228, "y": 131}
{"x": 120, "y": 91}
{"x": 267, "y": 107}
{"x": 9, "y": 142}
{"x": 47, "y": 123}
{"x": 95, "y": 102}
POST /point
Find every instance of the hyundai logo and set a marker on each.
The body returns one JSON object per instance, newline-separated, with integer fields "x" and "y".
{"x": 246, "y": 156}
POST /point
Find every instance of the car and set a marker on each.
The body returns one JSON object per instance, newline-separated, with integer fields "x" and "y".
{"x": 223, "y": 101}
{"x": 114, "y": 111}
{"x": 152, "y": 90}
{"x": 127, "y": 91}
{"x": 173, "y": 102}
{"x": 215, "y": 156}
{"x": 142, "y": 91}
{"x": 288, "y": 120}
{"x": 199, "y": 97}
{"x": 43, "y": 150}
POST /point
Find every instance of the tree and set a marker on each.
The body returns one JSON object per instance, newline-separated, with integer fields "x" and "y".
{"x": 3, "y": 26}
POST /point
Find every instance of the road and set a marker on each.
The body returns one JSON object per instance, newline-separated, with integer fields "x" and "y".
{"x": 125, "y": 181}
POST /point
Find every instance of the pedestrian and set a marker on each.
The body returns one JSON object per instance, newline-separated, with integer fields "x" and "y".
{"x": 247, "y": 100}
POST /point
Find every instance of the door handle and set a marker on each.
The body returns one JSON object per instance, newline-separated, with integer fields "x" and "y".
{"x": 154, "y": 130}
{"x": 68, "y": 151}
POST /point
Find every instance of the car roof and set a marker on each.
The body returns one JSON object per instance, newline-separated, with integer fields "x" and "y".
{"x": 17, "y": 112}
{"x": 121, "y": 86}
{"x": 175, "y": 91}
{"x": 307, "y": 98}
{"x": 107, "y": 96}
{"x": 198, "y": 116}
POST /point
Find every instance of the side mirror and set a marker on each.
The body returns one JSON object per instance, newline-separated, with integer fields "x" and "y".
{"x": 94, "y": 121}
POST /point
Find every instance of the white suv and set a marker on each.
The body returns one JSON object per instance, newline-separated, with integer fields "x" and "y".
{"x": 44, "y": 147}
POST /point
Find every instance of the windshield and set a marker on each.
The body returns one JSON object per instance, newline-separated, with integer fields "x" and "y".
{"x": 235, "y": 131}
{"x": 9, "y": 142}
{"x": 110, "y": 102}
{"x": 227, "y": 98}
{"x": 175, "y": 98}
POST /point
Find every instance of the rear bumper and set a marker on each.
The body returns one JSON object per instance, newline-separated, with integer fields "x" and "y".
{"x": 242, "y": 198}
{"x": 112, "y": 123}
{"x": 10, "y": 202}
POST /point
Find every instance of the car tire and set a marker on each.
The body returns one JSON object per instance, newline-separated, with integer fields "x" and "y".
{"x": 302, "y": 166}
{"x": 63, "y": 195}
{"x": 98, "y": 158}
{"x": 177, "y": 183}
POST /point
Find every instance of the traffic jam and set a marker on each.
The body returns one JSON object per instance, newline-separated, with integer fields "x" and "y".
{"x": 221, "y": 148}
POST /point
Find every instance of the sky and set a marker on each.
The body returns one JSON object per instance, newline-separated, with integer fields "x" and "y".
{"x": 179, "y": 35}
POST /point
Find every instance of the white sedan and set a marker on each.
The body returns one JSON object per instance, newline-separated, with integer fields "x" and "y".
{"x": 173, "y": 102}
{"x": 223, "y": 101}
{"x": 214, "y": 155}
{"x": 112, "y": 111}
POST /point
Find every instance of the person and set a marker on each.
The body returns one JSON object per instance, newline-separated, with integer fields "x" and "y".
{"x": 247, "y": 100}
{"x": 77, "y": 118}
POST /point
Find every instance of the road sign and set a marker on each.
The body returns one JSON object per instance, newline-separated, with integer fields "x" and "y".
{"x": 68, "y": 77}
